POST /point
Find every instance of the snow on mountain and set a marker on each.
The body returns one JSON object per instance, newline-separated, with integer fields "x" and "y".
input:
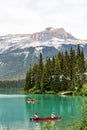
{"x": 48, "y": 37}
{"x": 19, "y": 50}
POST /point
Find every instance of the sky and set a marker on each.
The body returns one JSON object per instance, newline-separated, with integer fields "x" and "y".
{"x": 29, "y": 16}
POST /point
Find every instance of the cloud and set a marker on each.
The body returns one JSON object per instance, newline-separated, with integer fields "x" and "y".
{"x": 28, "y": 16}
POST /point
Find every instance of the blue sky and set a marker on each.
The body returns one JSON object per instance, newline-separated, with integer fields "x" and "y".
{"x": 28, "y": 16}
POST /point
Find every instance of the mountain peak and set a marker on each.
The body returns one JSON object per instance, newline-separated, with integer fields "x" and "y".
{"x": 54, "y": 30}
{"x": 50, "y": 32}
{"x": 48, "y": 28}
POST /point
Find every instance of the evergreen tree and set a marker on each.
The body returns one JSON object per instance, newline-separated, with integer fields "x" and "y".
{"x": 80, "y": 68}
{"x": 28, "y": 81}
{"x": 82, "y": 63}
{"x": 53, "y": 66}
{"x": 66, "y": 64}
{"x": 55, "y": 84}
{"x": 62, "y": 64}
{"x": 41, "y": 63}
{"x": 39, "y": 73}
{"x": 45, "y": 82}
{"x": 62, "y": 72}
{"x": 72, "y": 68}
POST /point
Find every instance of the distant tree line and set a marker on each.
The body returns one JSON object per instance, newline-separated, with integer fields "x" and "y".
{"x": 12, "y": 84}
{"x": 62, "y": 72}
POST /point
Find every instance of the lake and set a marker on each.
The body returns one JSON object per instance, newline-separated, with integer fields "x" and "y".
{"x": 15, "y": 111}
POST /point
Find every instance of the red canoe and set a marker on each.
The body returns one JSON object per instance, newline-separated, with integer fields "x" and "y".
{"x": 31, "y": 100}
{"x": 46, "y": 119}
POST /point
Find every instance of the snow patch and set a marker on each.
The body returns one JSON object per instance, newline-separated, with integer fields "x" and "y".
{"x": 1, "y": 63}
{"x": 82, "y": 46}
{"x": 38, "y": 50}
{"x": 26, "y": 56}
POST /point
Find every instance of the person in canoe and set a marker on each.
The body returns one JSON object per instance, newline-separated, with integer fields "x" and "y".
{"x": 35, "y": 116}
{"x": 52, "y": 115}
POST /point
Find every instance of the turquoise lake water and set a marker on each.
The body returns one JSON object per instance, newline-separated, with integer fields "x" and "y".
{"x": 15, "y": 111}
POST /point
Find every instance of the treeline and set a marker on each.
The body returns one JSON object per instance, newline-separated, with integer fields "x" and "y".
{"x": 12, "y": 84}
{"x": 59, "y": 73}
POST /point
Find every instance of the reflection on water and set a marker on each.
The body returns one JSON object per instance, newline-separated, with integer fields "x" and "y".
{"x": 10, "y": 90}
{"x": 15, "y": 112}
{"x": 66, "y": 107}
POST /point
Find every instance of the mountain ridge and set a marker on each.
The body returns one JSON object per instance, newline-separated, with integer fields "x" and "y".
{"x": 17, "y": 51}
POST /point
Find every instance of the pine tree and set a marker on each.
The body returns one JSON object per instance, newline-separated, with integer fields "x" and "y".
{"x": 80, "y": 68}
{"x": 45, "y": 82}
{"x": 82, "y": 63}
{"x": 62, "y": 72}
{"x": 53, "y": 66}
{"x": 72, "y": 68}
{"x": 39, "y": 73}
{"x": 28, "y": 81}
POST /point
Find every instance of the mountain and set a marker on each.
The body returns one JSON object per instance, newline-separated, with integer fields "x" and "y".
{"x": 19, "y": 50}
